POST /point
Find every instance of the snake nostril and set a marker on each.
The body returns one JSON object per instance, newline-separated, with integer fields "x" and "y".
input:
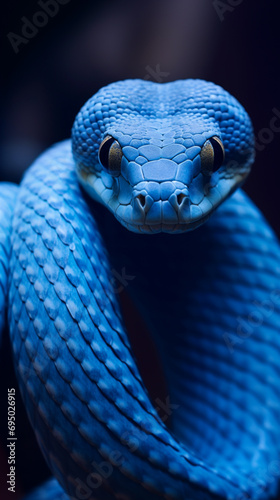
{"x": 180, "y": 198}
{"x": 142, "y": 200}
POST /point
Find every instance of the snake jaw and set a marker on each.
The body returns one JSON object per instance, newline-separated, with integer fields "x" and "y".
{"x": 169, "y": 207}
{"x": 189, "y": 215}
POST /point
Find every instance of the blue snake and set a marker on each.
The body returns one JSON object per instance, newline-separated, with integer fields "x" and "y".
{"x": 147, "y": 164}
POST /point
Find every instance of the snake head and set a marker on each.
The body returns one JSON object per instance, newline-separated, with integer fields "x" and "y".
{"x": 162, "y": 157}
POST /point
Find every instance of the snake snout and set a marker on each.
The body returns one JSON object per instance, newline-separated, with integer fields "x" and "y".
{"x": 162, "y": 209}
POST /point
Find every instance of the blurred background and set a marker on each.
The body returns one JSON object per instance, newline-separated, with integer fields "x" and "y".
{"x": 56, "y": 54}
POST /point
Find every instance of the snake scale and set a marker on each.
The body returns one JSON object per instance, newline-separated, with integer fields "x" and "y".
{"x": 147, "y": 163}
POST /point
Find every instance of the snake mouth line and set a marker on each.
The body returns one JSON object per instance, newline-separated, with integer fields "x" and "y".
{"x": 157, "y": 227}
{"x": 138, "y": 220}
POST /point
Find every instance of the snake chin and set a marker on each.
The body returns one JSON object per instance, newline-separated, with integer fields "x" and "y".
{"x": 161, "y": 227}
{"x": 193, "y": 218}
{"x": 159, "y": 216}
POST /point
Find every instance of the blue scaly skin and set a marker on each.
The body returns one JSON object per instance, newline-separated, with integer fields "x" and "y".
{"x": 160, "y": 131}
{"x": 161, "y": 159}
{"x": 8, "y": 195}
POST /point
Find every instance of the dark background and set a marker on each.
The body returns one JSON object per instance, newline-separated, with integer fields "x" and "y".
{"x": 85, "y": 45}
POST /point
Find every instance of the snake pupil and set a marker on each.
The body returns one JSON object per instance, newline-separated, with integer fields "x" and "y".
{"x": 219, "y": 152}
{"x": 212, "y": 155}
{"x": 110, "y": 155}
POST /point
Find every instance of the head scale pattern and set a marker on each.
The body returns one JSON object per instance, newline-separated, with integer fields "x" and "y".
{"x": 162, "y": 157}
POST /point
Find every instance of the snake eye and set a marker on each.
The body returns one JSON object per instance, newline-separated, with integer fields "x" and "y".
{"x": 212, "y": 155}
{"x": 110, "y": 155}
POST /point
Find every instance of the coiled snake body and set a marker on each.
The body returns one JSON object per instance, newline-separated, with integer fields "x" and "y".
{"x": 161, "y": 158}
